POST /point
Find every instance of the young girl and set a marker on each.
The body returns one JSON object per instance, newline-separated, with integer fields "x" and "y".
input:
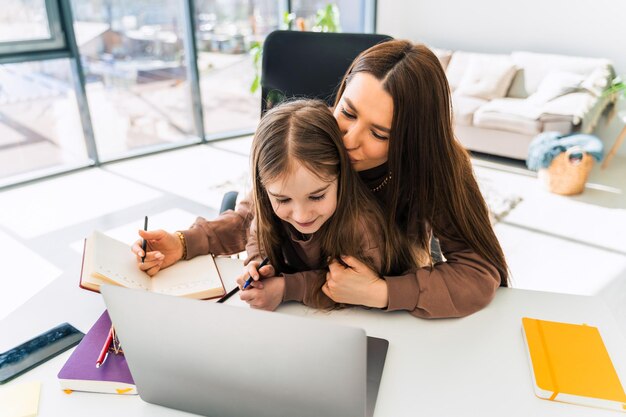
{"x": 310, "y": 208}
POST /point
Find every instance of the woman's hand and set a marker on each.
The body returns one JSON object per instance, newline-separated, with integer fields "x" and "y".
{"x": 163, "y": 249}
{"x": 357, "y": 284}
{"x": 266, "y": 295}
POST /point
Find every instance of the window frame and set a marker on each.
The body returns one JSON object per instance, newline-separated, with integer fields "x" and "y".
{"x": 56, "y": 41}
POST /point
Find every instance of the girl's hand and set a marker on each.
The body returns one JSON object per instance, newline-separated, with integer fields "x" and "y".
{"x": 268, "y": 296}
{"x": 252, "y": 270}
{"x": 356, "y": 285}
{"x": 163, "y": 249}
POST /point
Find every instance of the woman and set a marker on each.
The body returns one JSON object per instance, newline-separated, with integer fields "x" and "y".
{"x": 393, "y": 108}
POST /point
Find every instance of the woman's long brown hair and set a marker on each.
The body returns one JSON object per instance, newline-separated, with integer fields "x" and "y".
{"x": 305, "y": 131}
{"x": 433, "y": 181}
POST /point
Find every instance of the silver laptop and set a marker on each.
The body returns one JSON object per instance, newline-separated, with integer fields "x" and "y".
{"x": 219, "y": 360}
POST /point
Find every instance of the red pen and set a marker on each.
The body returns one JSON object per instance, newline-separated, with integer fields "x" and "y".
{"x": 105, "y": 349}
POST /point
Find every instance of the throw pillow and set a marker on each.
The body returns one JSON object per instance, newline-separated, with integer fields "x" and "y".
{"x": 556, "y": 84}
{"x": 599, "y": 80}
{"x": 487, "y": 78}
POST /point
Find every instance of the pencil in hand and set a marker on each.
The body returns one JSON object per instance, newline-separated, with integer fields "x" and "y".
{"x": 245, "y": 285}
{"x": 143, "y": 244}
{"x": 250, "y": 279}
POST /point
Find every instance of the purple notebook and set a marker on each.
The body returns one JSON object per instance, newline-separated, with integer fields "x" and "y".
{"x": 80, "y": 373}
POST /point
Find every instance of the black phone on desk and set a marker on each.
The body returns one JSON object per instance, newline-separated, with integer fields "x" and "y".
{"x": 37, "y": 350}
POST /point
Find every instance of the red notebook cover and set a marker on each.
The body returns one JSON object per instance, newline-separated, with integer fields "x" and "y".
{"x": 82, "y": 270}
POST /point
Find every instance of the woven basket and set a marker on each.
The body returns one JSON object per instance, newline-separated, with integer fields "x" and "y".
{"x": 568, "y": 172}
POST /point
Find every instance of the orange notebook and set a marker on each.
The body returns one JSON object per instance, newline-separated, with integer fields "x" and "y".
{"x": 571, "y": 364}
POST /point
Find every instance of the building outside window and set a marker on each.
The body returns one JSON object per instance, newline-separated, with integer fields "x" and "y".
{"x": 133, "y": 56}
{"x": 225, "y": 31}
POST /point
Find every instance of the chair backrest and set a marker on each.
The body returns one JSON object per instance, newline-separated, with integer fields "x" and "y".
{"x": 308, "y": 64}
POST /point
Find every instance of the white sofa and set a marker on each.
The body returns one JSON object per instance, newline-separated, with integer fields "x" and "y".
{"x": 501, "y": 102}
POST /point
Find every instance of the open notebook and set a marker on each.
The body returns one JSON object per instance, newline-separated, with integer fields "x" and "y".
{"x": 109, "y": 261}
{"x": 571, "y": 364}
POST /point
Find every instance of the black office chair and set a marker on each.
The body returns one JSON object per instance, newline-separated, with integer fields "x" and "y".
{"x": 308, "y": 64}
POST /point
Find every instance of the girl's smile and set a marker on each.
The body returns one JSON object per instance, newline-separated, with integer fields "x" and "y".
{"x": 303, "y": 199}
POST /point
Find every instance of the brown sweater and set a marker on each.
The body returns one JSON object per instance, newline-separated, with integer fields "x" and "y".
{"x": 304, "y": 256}
{"x": 226, "y": 235}
{"x": 462, "y": 285}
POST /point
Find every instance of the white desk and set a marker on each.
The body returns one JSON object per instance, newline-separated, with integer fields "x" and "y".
{"x": 475, "y": 366}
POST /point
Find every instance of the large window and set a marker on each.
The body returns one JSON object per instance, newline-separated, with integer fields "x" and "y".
{"x": 40, "y": 126}
{"x": 90, "y": 81}
{"x": 225, "y": 31}
{"x": 354, "y": 15}
{"x": 133, "y": 55}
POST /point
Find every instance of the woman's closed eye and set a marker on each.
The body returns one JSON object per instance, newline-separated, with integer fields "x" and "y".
{"x": 379, "y": 136}
{"x": 347, "y": 114}
{"x": 317, "y": 197}
{"x": 353, "y": 116}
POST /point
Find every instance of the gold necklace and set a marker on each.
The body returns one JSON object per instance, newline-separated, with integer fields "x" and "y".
{"x": 382, "y": 184}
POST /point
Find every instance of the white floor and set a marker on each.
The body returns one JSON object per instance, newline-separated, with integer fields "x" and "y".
{"x": 573, "y": 245}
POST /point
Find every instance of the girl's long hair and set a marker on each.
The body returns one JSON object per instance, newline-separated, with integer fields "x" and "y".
{"x": 305, "y": 132}
{"x": 433, "y": 181}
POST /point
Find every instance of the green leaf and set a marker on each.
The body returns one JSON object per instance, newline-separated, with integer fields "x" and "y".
{"x": 327, "y": 19}
{"x": 255, "y": 84}
{"x": 617, "y": 86}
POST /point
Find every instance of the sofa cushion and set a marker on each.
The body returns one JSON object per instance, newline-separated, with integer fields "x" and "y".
{"x": 518, "y": 85}
{"x": 509, "y": 114}
{"x": 599, "y": 80}
{"x": 487, "y": 78}
{"x": 576, "y": 105}
{"x": 556, "y": 84}
{"x": 443, "y": 55}
{"x": 464, "y": 108}
{"x": 561, "y": 124}
{"x": 507, "y": 122}
{"x": 460, "y": 62}
{"x": 524, "y": 116}
{"x": 536, "y": 66}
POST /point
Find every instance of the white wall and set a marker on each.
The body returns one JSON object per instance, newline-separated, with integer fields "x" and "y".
{"x": 593, "y": 28}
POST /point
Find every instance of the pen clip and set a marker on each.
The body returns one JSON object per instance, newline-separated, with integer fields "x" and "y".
{"x": 116, "y": 347}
